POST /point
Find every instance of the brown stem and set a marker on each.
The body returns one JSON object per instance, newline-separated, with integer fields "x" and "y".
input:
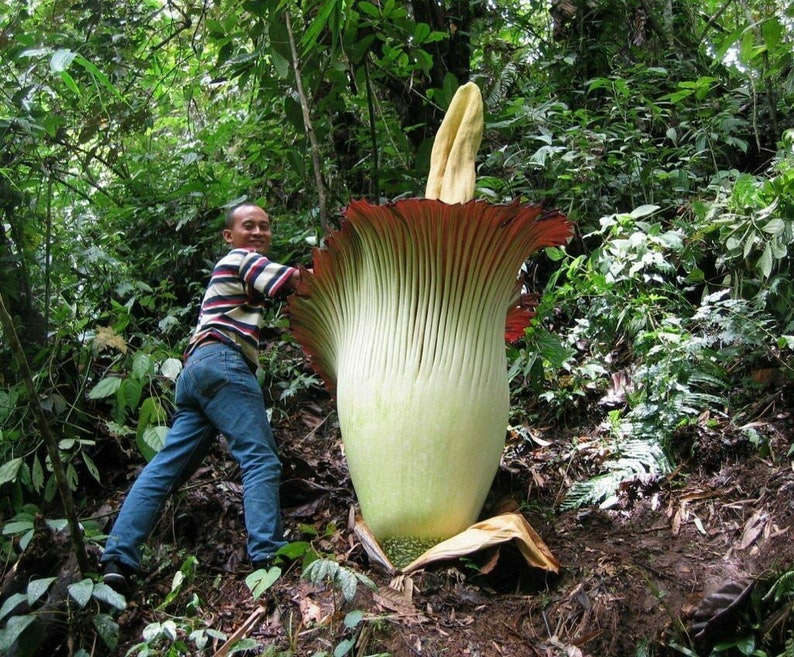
{"x": 307, "y": 122}
{"x": 49, "y": 439}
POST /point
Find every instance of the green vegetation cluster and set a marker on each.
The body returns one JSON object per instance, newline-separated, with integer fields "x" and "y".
{"x": 664, "y": 129}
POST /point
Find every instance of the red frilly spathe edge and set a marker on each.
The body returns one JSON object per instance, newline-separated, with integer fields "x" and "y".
{"x": 550, "y": 228}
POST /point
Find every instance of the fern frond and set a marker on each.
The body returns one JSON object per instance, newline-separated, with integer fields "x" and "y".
{"x": 634, "y": 459}
{"x": 501, "y": 85}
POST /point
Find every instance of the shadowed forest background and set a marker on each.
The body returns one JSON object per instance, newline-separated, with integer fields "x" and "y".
{"x": 649, "y": 442}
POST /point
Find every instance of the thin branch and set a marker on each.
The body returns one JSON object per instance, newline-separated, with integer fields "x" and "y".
{"x": 75, "y": 532}
{"x": 712, "y": 22}
{"x": 307, "y": 122}
{"x": 373, "y": 133}
{"x": 769, "y": 94}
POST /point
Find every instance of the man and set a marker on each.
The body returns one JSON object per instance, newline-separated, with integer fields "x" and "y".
{"x": 217, "y": 392}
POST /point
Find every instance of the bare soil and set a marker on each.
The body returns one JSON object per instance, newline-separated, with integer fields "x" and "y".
{"x": 677, "y": 563}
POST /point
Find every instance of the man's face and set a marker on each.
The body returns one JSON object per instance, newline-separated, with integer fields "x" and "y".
{"x": 250, "y": 229}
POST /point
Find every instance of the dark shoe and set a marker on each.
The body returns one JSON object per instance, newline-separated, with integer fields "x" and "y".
{"x": 284, "y": 561}
{"x": 117, "y": 576}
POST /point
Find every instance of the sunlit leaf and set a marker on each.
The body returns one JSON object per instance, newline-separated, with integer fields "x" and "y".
{"x": 61, "y": 60}
{"x": 105, "y": 388}
{"x": 9, "y": 470}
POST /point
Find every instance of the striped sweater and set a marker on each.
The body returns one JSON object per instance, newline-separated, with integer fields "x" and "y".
{"x": 233, "y": 308}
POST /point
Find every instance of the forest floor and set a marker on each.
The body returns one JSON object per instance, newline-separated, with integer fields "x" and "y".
{"x": 688, "y": 554}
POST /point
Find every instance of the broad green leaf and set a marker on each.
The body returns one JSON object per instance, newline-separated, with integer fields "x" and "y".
{"x": 17, "y": 527}
{"x": 61, "y": 60}
{"x": 72, "y": 477}
{"x": 10, "y": 603}
{"x": 369, "y": 9}
{"x": 555, "y": 253}
{"x": 421, "y": 32}
{"x": 297, "y": 549}
{"x": 552, "y": 349}
{"x": 108, "y": 629}
{"x": 169, "y": 630}
{"x": 279, "y": 39}
{"x": 13, "y": 630}
{"x": 348, "y": 583}
{"x": 353, "y": 618}
{"x": 68, "y": 80}
{"x": 57, "y": 524}
{"x": 765, "y": 262}
{"x": 748, "y": 246}
{"x": 170, "y": 368}
{"x": 779, "y": 250}
{"x": 152, "y": 441}
{"x": 747, "y": 46}
{"x": 643, "y": 211}
{"x": 37, "y": 474}
{"x": 129, "y": 393}
{"x": 91, "y": 467}
{"x": 151, "y": 412}
{"x": 104, "y": 593}
{"x": 141, "y": 366}
{"x": 733, "y": 243}
{"x": 772, "y": 32}
{"x": 37, "y": 588}
{"x": 261, "y": 580}
{"x": 10, "y": 469}
{"x": 81, "y": 591}
{"x": 774, "y": 226}
{"x": 344, "y": 647}
{"x": 786, "y": 342}
{"x": 105, "y": 388}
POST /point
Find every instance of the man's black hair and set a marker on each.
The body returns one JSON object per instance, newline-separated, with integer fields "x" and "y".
{"x": 230, "y": 213}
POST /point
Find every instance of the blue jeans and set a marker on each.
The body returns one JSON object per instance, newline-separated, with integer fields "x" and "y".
{"x": 215, "y": 393}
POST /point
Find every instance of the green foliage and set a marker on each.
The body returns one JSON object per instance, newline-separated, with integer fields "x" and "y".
{"x": 261, "y": 580}
{"x": 345, "y": 580}
{"x": 125, "y": 133}
{"x": 327, "y": 572}
{"x": 284, "y": 373}
{"x": 751, "y": 218}
{"x": 629, "y": 307}
{"x": 23, "y": 630}
{"x": 180, "y": 636}
{"x": 142, "y": 384}
{"x": 182, "y": 631}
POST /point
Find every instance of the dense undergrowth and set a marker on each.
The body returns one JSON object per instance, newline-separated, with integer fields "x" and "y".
{"x": 670, "y": 308}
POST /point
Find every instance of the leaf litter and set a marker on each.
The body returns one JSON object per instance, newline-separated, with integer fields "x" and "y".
{"x": 671, "y": 560}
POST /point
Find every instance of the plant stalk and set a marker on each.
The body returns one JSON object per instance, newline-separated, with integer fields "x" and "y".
{"x": 75, "y": 532}
{"x": 307, "y": 122}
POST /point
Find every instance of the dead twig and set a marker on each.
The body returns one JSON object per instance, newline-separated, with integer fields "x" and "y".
{"x": 241, "y": 632}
